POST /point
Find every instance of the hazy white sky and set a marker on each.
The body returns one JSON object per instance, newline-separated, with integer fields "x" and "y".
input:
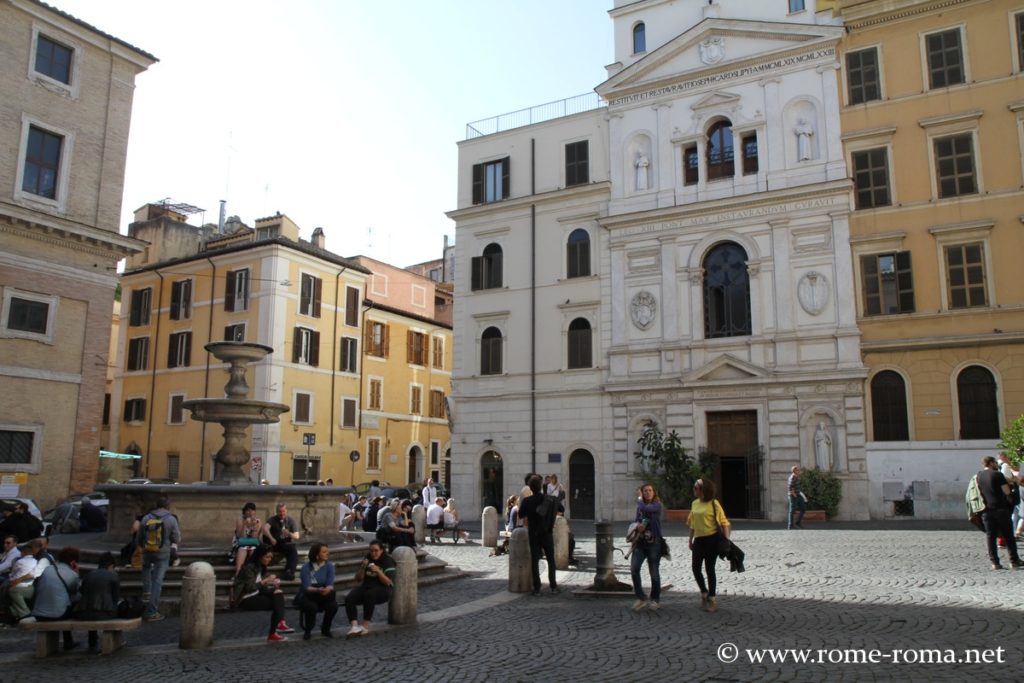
{"x": 340, "y": 114}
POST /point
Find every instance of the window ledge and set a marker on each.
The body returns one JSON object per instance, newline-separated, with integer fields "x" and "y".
{"x": 947, "y": 119}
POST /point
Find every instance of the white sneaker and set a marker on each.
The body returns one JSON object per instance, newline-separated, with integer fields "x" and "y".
{"x": 653, "y": 606}
{"x": 355, "y": 631}
{"x": 639, "y": 605}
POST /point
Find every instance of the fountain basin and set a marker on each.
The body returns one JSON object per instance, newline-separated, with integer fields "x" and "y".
{"x": 248, "y": 411}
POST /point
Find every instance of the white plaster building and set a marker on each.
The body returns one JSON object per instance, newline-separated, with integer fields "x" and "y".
{"x": 680, "y": 256}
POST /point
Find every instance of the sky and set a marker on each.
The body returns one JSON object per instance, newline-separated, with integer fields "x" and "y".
{"x": 341, "y": 114}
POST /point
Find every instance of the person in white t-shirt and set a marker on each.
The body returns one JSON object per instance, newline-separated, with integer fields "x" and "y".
{"x": 435, "y": 519}
{"x": 429, "y": 492}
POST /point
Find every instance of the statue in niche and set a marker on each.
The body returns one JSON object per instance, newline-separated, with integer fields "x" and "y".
{"x": 823, "y": 447}
{"x": 641, "y": 171}
{"x": 803, "y": 131}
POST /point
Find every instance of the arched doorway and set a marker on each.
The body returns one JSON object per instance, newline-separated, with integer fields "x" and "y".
{"x": 581, "y": 484}
{"x": 415, "y": 458}
{"x": 491, "y": 481}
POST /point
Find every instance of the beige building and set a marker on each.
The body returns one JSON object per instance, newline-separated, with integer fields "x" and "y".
{"x": 358, "y": 356}
{"x": 933, "y": 131}
{"x": 65, "y": 108}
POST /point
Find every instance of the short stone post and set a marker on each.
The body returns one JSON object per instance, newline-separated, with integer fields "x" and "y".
{"x": 419, "y": 522}
{"x": 198, "y": 600}
{"x": 604, "y": 578}
{"x": 489, "y": 527}
{"x": 520, "y": 578}
{"x": 402, "y": 609}
{"x": 561, "y": 534}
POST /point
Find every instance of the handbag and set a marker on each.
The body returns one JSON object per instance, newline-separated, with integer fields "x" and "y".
{"x": 723, "y": 545}
{"x": 247, "y": 542}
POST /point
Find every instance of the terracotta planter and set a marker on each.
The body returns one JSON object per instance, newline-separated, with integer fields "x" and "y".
{"x": 677, "y": 515}
{"x": 815, "y": 516}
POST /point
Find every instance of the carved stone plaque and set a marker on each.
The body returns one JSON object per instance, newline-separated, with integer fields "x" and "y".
{"x": 813, "y": 292}
{"x": 642, "y": 309}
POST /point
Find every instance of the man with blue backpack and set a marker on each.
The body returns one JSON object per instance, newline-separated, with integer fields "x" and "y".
{"x": 158, "y": 530}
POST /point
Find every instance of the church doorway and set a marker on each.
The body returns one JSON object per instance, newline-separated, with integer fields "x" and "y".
{"x": 733, "y": 445}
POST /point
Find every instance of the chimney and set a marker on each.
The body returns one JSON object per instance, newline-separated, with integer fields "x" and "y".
{"x": 220, "y": 218}
{"x": 318, "y": 238}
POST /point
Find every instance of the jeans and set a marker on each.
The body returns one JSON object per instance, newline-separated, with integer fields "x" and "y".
{"x": 705, "y": 551}
{"x": 154, "y": 566}
{"x": 267, "y": 601}
{"x": 290, "y": 553}
{"x": 652, "y": 553}
{"x": 997, "y": 523}
{"x": 546, "y": 543}
{"x": 799, "y": 505}
{"x": 313, "y": 603}
{"x": 368, "y": 596}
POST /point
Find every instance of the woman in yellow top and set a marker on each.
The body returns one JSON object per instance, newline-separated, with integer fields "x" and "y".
{"x": 707, "y": 525}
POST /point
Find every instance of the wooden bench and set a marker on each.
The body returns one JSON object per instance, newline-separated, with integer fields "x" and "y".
{"x": 111, "y": 632}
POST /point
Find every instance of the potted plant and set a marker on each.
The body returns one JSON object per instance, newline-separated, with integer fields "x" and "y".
{"x": 665, "y": 463}
{"x": 824, "y": 492}
{"x": 1012, "y": 441}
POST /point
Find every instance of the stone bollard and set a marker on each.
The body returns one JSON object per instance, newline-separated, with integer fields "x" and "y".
{"x": 489, "y": 527}
{"x": 402, "y": 609}
{"x": 198, "y": 599}
{"x": 561, "y": 534}
{"x": 520, "y": 577}
{"x": 419, "y": 521}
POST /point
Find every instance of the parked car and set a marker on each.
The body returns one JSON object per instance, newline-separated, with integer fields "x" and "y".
{"x": 364, "y": 488}
{"x": 390, "y": 492}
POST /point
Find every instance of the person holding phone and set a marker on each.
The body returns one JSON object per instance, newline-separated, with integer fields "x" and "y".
{"x": 376, "y": 579}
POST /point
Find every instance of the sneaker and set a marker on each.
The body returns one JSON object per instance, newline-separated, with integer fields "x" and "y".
{"x": 639, "y": 604}
{"x": 153, "y": 617}
{"x": 355, "y": 631}
{"x": 1002, "y": 542}
{"x": 536, "y": 591}
{"x": 712, "y": 605}
{"x": 306, "y": 635}
{"x": 27, "y": 620}
{"x": 276, "y": 638}
{"x": 556, "y": 589}
{"x": 996, "y": 566}
{"x": 282, "y": 627}
{"x": 1017, "y": 564}
{"x": 653, "y": 606}
{"x": 326, "y": 633}
{"x": 704, "y": 601}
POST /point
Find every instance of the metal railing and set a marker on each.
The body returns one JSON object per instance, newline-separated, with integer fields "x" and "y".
{"x": 537, "y": 114}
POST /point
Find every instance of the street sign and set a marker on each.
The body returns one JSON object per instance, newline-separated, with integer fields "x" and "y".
{"x": 308, "y": 439}
{"x": 354, "y": 456}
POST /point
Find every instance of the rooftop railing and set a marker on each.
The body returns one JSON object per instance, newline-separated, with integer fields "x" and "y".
{"x": 537, "y": 114}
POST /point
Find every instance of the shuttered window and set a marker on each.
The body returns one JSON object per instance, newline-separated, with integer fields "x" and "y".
{"x": 888, "y": 283}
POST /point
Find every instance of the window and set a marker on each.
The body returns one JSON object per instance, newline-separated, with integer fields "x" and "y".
{"x": 268, "y": 232}
{"x": 348, "y": 413}
{"x": 720, "y": 153}
{"x": 954, "y": 165}
{"x": 173, "y": 466}
{"x": 862, "y": 76}
{"x": 138, "y": 354}
{"x": 27, "y": 315}
{"x": 16, "y": 446}
{"x": 438, "y": 353}
{"x": 749, "y": 147}
{"x": 490, "y": 351}
{"x": 373, "y": 454}
{"x": 726, "y": 292}
{"x": 1018, "y": 24}
{"x": 871, "y": 177}
{"x": 889, "y": 407}
{"x": 306, "y": 346}
{"x": 53, "y": 59}
{"x": 42, "y": 163}
{"x": 639, "y": 38}
{"x": 179, "y": 350}
{"x": 490, "y": 181}
{"x": 181, "y": 300}
{"x": 305, "y": 471}
{"x": 888, "y": 283}
{"x": 979, "y": 411}
{"x": 175, "y": 413}
{"x": 965, "y": 274}
{"x": 691, "y": 165}
{"x": 349, "y": 355}
{"x": 577, "y": 160}
{"x": 352, "y": 306}
{"x": 945, "y": 59}
{"x": 309, "y": 295}
{"x": 376, "y": 394}
{"x": 436, "y": 403}
{"x": 578, "y": 254}
{"x": 376, "y": 342}
{"x": 140, "y": 305}
{"x": 236, "y": 290}
{"x": 106, "y": 410}
{"x": 580, "y": 343}
{"x": 135, "y": 410}
{"x": 416, "y": 348}
{"x": 302, "y": 409}
{"x": 796, "y": 6}
{"x": 435, "y": 454}
{"x": 234, "y": 332}
{"x": 416, "y": 399}
{"x": 486, "y": 269}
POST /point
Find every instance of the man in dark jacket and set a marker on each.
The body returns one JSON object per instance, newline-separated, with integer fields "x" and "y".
{"x": 91, "y": 517}
{"x": 22, "y": 523}
{"x": 995, "y": 490}
{"x": 100, "y": 591}
{"x": 539, "y": 527}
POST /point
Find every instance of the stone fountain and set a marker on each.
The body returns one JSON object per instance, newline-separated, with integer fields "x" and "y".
{"x": 207, "y": 512}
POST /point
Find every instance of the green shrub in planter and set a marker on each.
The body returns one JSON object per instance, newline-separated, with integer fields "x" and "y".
{"x": 823, "y": 489}
{"x": 1012, "y": 441}
{"x": 666, "y": 464}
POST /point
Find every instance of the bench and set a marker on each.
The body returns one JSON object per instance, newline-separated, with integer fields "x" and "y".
{"x": 111, "y": 632}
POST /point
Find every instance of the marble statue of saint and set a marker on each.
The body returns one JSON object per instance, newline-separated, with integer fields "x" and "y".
{"x": 803, "y": 132}
{"x": 641, "y": 171}
{"x": 822, "y": 447}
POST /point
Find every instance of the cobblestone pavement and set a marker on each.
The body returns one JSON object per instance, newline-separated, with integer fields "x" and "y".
{"x": 836, "y": 592}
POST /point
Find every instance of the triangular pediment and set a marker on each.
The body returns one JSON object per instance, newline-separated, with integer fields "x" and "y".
{"x": 716, "y": 45}
{"x": 716, "y": 100}
{"x": 727, "y": 368}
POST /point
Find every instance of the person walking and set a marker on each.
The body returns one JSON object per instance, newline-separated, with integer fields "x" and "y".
{"x": 797, "y": 500}
{"x": 158, "y": 530}
{"x": 708, "y": 526}
{"x": 647, "y": 547}
{"x": 429, "y": 493}
{"x": 538, "y": 513}
{"x": 995, "y": 491}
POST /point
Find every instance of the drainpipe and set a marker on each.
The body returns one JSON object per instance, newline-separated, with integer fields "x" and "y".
{"x": 152, "y": 378}
{"x": 334, "y": 361}
{"x": 533, "y": 308}
{"x": 206, "y": 374}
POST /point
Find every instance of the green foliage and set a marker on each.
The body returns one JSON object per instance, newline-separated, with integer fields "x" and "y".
{"x": 117, "y": 292}
{"x": 665, "y": 463}
{"x": 823, "y": 489}
{"x": 1012, "y": 441}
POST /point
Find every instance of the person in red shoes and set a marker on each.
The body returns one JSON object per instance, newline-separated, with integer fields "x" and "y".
{"x": 258, "y": 590}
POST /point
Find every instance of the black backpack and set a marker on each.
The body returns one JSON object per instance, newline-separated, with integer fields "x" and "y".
{"x": 547, "y": 511}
